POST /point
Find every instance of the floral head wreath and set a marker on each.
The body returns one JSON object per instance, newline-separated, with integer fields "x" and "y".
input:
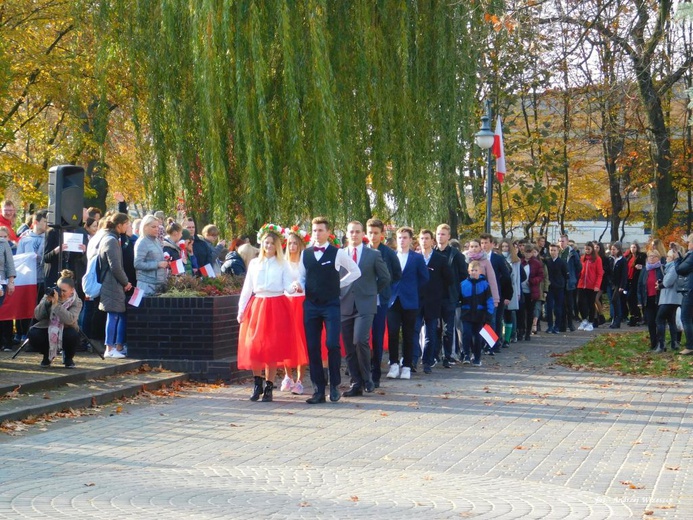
{"x": 272, "y": 228}
{"x": 305, "y": 237}
{"x": 332, "y": 239}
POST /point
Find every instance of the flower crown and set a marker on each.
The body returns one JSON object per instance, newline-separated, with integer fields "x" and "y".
{"x": 272, "y": 228}
{"x": 297, "y": 231}
{"x": 332, "y": 239}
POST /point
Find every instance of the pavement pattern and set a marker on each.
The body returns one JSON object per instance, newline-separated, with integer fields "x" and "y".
{"x": 518, "y": 437}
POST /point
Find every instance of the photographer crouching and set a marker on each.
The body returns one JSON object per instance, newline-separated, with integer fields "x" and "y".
{"x": 56, "y": 315}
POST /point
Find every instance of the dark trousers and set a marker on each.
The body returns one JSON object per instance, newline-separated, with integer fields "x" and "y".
{"x": 567, "y": 319}
{"x": 615, "y": 306}
{"x": 447, "y": 328}
{"x": 650, "y": 314}
{"x": 522, "y": 315}
{"x": 666, "y": 314}
{"x": 586, "y": 299}
{"x": 431, "y": 334}
{"x": 356, "y": 331}
{"x": 633, "y": 308}
{"x": 404, "y": 319}
{"x": 314, "y": 317}
{"x": 39, "y": 341}
{"x": 378, "y": 331}
{"x": 471, "y": 339}
{"x": 531, "y": 307}
{"x": 555, "y": 306}
{"x": 687, "y": 318}
{"x": 497, "y": 322}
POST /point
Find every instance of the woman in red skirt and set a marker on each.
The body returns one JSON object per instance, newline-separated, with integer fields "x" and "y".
{"x": 262, "y": 309}
{"x": 295, "y": 244}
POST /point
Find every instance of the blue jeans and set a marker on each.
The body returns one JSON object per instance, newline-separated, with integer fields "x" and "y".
{"x": 431, "y": 333}
{"x": 687, "y": 318}
{"x": 314, "y": 317}
{"x": 554, "y": 306}
{"x": 116, "y": 324}
{"x": 378, "y": 331}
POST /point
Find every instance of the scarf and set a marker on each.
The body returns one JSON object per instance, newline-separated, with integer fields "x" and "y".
{"x": 55, "y": 329}
{"x": 481, "y": 255}
{"x": 650, "y": 266}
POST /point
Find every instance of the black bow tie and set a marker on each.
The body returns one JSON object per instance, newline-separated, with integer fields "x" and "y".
{"x": 321, "y": 249}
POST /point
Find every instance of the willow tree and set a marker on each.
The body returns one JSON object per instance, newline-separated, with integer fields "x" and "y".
{"x": 282, "y": 110}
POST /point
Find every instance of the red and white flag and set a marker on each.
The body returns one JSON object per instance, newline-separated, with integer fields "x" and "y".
{"x": 489, "y": 335}
{"x": 208, "y": 271}
{"x": 499, "y": 151}
{"x": 20, "y": 305}
{"x": 177, "y": 267}
{"x": 136, "y": 297}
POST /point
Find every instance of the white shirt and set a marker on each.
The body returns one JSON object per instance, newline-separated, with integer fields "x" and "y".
{"x": 265, "y": 278}
{"x": 402, "y": 259}
{"x": 343, "y": 260}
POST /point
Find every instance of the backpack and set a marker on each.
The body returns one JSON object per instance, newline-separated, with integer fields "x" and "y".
{"x": 93, "y": 278}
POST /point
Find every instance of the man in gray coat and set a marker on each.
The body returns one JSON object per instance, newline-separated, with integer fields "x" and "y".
{"x": 358, "y": 305}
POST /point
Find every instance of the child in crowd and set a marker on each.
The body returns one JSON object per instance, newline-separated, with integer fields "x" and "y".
{"x": 476, "y": 310}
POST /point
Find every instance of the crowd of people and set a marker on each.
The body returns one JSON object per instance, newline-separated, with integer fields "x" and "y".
{"x": 309, "y": 300}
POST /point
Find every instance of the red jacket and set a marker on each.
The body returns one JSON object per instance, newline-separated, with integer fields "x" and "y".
{"x": 4, "y": 222}
{"x": 592, "y": 273}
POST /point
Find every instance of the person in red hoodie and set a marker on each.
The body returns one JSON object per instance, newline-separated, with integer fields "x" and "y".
{"x": 588, "y": 285}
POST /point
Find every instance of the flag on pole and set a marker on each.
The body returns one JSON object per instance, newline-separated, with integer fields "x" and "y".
{"x": 20, "y": 305}
{"x": 489, "y": 336}
{"x": 177, "y": 267}
{"x": 208, "y": 271}
{"x": 499, "y": 151}
{"x": 136, "y": 298}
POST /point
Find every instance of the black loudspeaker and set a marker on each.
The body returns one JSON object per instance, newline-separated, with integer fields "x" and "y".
{"x": 65, "y": 195}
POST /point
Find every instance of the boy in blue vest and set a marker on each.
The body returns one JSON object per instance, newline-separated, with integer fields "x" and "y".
{"x": 476, "y": 310}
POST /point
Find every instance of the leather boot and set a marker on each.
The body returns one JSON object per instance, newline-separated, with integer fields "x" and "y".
{"x": 257, "y": 388}
{"x": 267, "y": 397}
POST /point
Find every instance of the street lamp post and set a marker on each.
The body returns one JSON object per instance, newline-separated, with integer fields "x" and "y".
{"x": 484, "y": 139}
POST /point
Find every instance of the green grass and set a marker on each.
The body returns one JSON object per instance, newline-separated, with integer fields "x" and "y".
{"x": 627, "y": 354}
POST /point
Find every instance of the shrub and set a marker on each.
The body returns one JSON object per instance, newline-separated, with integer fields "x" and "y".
{"x": 185, "y": 285}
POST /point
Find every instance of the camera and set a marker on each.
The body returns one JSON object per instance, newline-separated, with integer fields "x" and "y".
{"x": 51, "y": 291}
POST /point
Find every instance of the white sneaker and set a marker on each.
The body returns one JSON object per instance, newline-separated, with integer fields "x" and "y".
{"x": 108, "y": 352}
{"x": 117, "y": 354}
{"x": 394, "y": 371}
{"x": 297, "y": 387}
{"x": 287, "y": 383}
{"x": 406, "y": 373}
{"x": 589, "y": 327}
{"x": 582, "y": 325}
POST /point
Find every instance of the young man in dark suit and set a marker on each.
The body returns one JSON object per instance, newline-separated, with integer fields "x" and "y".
{"x": 319, "y": 274}
{"x": 431, "y": 299}
{"x": 376, "y": 238}
{"x": 404, "y": 304}
{"x": 558, "y": 281}
{"x": 358, "y": 307}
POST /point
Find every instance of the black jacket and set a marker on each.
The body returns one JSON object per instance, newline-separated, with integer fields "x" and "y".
{"x": 619, "y": 273}
{"x": 432, "y": 292}
{"x": 458, "y": 269}
{"x": 558, "y": 273}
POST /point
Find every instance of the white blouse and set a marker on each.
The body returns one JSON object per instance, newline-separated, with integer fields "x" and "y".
{"x": 265, "y": 278}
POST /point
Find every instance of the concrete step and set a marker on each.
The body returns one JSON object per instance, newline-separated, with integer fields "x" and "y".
{"x": 92, "y": 390}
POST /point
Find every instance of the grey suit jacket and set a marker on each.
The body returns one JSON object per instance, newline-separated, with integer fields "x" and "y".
{"x": 363, "y": 292}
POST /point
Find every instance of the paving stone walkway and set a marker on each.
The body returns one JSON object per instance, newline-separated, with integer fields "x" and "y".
{"x": 517, "y": 438}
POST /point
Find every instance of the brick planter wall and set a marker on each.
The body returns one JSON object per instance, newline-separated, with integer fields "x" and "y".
{"x": 183, "y": 328}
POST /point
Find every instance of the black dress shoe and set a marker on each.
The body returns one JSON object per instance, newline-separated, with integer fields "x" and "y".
{"x": 376, "y": 384}
{"x": 334, "y": 393}
{"x": 370, "y": 387}
{"x": 354, "y": 391}
{"x": 316, "y": 399}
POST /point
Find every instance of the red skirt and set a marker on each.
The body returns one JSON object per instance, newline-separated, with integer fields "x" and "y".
{"x": 298, "y": 355}
{"x": 263, "y": 336}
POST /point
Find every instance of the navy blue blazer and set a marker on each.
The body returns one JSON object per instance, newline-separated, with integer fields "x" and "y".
{"x": 414, "y": 276}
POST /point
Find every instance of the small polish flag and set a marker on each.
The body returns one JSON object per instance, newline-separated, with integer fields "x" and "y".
{"x": 498, "y": 151}
{"x": 489, "y": 336}
{"x": 177, "y": 267}
{"x": 136, "y": 298}
{"x": 208, "y": 271}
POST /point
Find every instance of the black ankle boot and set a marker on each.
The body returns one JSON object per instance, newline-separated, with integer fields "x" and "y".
{"x": 257, "y": 389}
{"x": 267, "y": 397}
